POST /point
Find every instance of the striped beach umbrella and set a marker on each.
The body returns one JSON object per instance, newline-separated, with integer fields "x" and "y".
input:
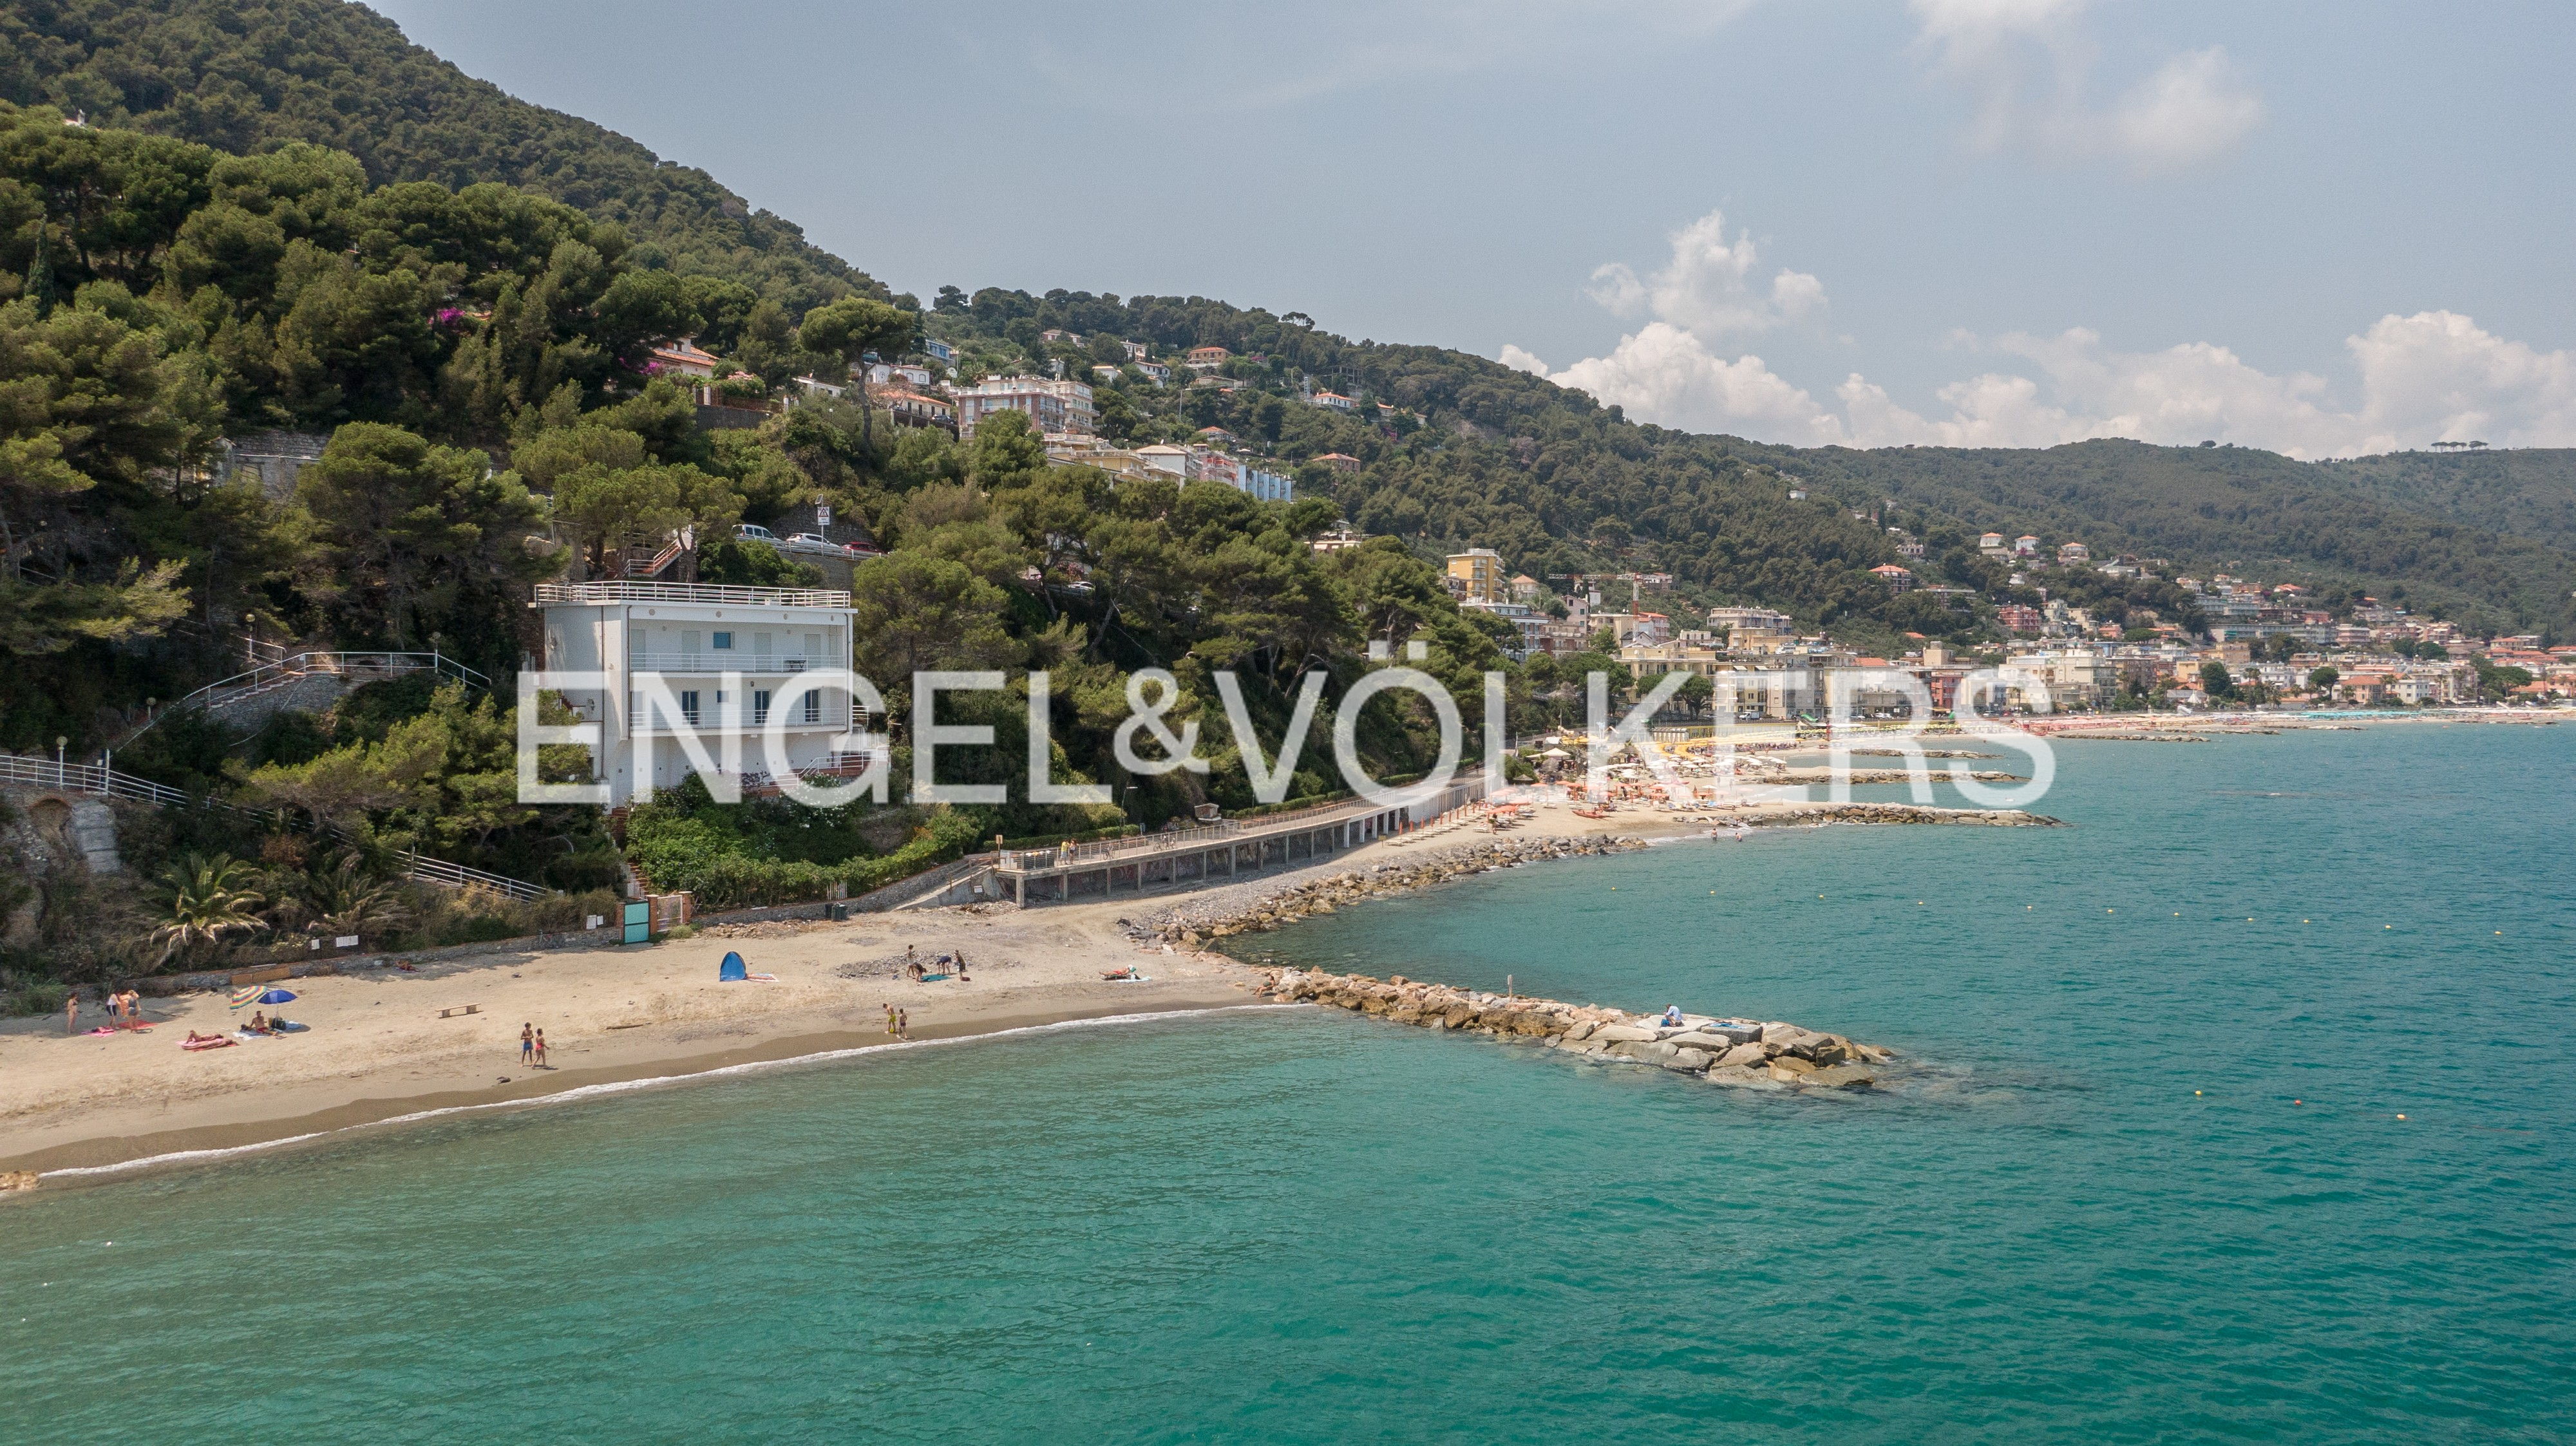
{"x": 245, "y": 997}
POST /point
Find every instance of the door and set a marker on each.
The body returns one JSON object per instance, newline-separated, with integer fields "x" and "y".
{"x": 639, "y": 922}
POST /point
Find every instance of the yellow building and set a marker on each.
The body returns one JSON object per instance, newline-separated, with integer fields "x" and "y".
{"x": 1477, "y": 575}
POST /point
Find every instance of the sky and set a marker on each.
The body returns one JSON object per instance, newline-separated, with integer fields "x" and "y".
{"x": 2322, "y": 229}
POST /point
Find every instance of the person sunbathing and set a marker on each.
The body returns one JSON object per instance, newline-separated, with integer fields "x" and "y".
{"x": 258, "y": 1022}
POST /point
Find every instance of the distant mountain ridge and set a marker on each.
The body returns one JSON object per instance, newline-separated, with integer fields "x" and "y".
{"x": 243, "y": 75}
{"x": 2436, "y": 523}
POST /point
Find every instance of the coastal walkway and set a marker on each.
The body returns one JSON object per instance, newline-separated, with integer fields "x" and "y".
{"x": 1183, "y": 858}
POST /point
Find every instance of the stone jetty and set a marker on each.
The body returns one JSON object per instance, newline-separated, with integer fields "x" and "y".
{"x": 1742, "y": 1053}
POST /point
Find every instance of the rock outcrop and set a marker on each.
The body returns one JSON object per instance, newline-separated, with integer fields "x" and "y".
{"x": 1744, "y": 1053}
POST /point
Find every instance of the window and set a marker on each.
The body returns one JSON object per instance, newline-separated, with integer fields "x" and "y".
{"x": 689, "y": 706}
{"x": 724, "y": 642}
{"x": 688, "y": 642}
{"x": 759, "y": 706}
{"x": 813, "y": 707}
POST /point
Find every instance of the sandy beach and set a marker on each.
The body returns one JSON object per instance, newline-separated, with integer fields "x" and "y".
{"x": 377, "y": 1047}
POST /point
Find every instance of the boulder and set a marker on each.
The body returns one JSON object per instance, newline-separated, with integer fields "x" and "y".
{"x": 1623, "y": 1034}
{"x": 1689, "y": 1060}
{"x": 1790, "y": 1064}
{"x": 1644, "y": 1051}
{"x": 1743, "y": 1056}
{"x": 1842, "y": 1076}
{"x": 1743, "y": 1079}
{"x": 1582, "y": 1030}
{"x": 1829, "y": 1052}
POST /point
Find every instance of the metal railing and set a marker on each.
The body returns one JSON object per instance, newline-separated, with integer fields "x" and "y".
{"x": 733, "y": 660}
{"x": 84, "y": 778}
{"x": 94, "y": 778}
{"x": 1182, "y": 838}
{"x": 427, "y": 870}
{"x": 691, "y": 592}
{"x": 270, "y": 676}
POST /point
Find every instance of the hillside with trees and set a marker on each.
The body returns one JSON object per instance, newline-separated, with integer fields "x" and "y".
{"x": 1454, "y": 449}
{"x": 249, "y": 75}
{"x": 2527, "y": 491}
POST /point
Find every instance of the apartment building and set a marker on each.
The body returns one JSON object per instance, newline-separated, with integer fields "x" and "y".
{"x": 1056, "y": 407}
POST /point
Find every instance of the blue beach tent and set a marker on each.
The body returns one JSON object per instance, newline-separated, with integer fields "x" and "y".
{"x": 732, "y": 970}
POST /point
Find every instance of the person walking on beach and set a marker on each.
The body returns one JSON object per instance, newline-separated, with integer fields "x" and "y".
{"x": 541, "y": 1050}
{"x": 889, "y": 1009}
{"x": 903, "y": 1024}
{"x": 527, "y": 1043}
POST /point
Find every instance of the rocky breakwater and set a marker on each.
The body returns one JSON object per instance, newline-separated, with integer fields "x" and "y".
{"x": 1238, "y": 910}
{"x": 1781, "y": 815}
{"x": 1742, "y": 1053}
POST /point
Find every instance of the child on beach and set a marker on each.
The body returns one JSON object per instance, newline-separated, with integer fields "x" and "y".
{"x": 903, "y": 1024}
{"x": 527, "y": 1043}
{"x": 541, "y": 1049}
{"x": 889, "y": 1009}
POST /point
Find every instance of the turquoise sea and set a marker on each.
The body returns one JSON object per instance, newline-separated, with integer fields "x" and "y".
{"x": 2146, "y": 1180}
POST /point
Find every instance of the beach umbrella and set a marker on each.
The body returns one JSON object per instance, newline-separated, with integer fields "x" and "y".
{"x": 246, "y": 997}
{"x": 278, "y": 996}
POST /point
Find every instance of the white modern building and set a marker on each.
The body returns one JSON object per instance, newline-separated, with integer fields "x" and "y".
{"x": 714, "y": 659}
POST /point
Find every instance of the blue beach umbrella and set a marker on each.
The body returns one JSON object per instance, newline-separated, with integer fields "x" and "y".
{"x": 278, "y": 996}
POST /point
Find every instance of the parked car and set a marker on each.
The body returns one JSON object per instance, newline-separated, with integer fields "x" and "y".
{"x": 754, "y": 530}
{"x": 811, "y": 539}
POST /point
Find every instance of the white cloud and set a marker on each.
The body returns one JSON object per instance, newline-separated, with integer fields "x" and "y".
{"x": 1521, "y": 361}
{"x": 2027, "y": 68}
{"x": 1665, "y": 374}
{"x": 2433, "y": 376}
{"x": 1708, "y": 286}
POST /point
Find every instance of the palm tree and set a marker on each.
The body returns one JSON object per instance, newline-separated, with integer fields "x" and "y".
{"x": 209, "y": 898}
{"x": 343, "y": 900}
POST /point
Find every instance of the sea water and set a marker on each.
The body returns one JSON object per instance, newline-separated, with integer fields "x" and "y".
{"x": 2143, "y": 1177}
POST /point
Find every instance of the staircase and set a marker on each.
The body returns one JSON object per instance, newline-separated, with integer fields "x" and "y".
{"x": 316, "y": 678}
{"x": 653, "y": 567}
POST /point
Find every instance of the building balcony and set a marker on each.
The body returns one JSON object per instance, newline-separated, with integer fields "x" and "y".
{"x": 723, "y": 660}
{"x": 712, "y": 722}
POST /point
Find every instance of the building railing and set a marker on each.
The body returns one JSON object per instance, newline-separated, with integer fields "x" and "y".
{"x": 711, "y": 720}
{"x": 690, "y": 592}
{"x": 724, "y": 660}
